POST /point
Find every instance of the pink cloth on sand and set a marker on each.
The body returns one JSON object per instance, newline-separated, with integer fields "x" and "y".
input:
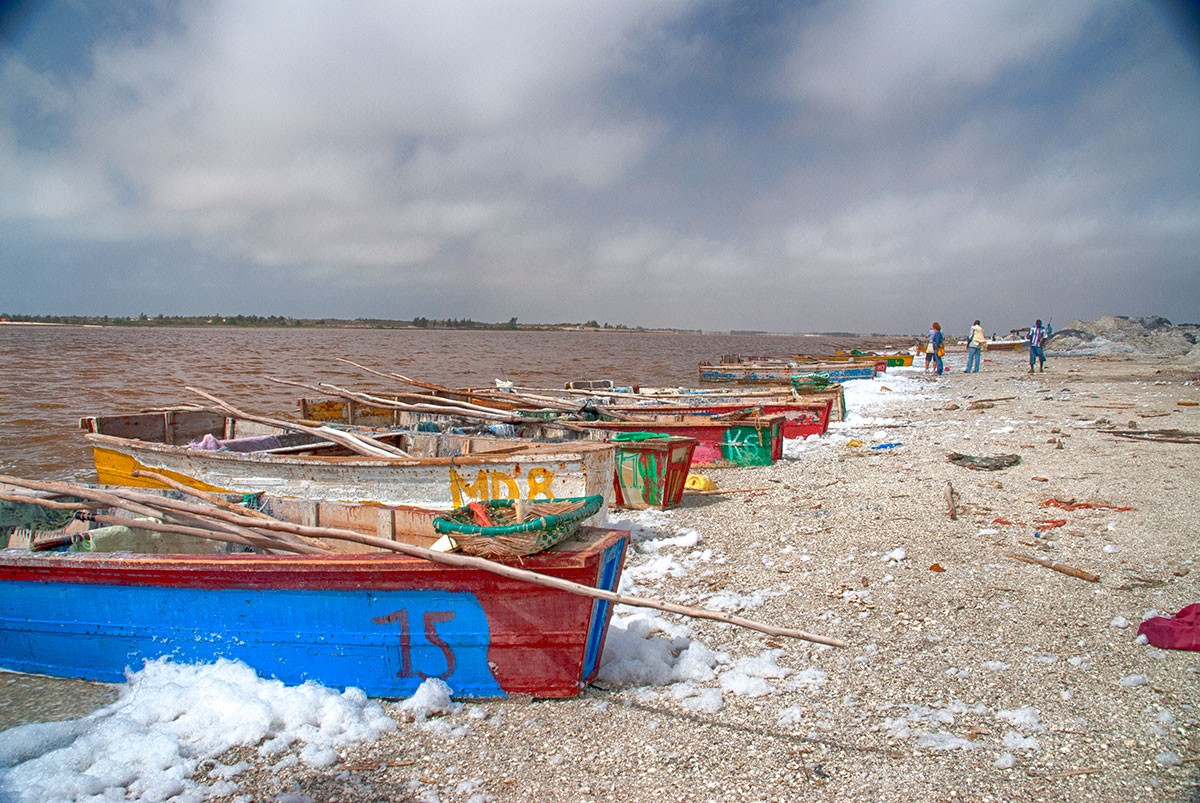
{"x": 1178, "y": 632}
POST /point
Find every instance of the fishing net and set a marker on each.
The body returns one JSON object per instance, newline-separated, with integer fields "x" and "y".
{"x": 546, "y": 524}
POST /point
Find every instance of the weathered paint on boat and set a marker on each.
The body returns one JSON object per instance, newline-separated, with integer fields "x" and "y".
{"x": 366, "y": 414}
{"x": 511, "y": 469}
{"x": 837, "y": 374}
{"x": 898, "y": 360}
{"x": 1006, "y": 345}
{"x": 379, "y": 622}
{"x": 771, "y": 373}
{"x": 834, "y": 396}
{"x": 801, "y": 419}
{"x": 652, "y": 473}
{"x": 752, "y": 442}
{"x": 405, "y": 524}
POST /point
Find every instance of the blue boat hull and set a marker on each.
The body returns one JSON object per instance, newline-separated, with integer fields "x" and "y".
{"x": 382, "y": 624}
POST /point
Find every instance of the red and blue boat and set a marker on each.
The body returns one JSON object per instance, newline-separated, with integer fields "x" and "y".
{"x": 379, "y": 621}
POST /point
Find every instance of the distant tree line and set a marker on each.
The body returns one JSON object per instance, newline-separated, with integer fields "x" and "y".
{"x": 284, "y": 321}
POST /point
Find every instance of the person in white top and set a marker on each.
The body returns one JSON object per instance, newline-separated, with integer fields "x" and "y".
{"x": 976, "y": 343}
{"x": 1037, "y": 342}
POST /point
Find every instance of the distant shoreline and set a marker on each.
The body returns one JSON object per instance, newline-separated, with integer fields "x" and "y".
{"x": 400, "y": 325}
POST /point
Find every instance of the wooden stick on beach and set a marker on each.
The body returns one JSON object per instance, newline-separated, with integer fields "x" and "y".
{"x": 1058, "y": 567}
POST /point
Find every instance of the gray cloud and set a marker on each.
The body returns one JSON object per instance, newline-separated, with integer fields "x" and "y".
{"x": 832, "y": 166}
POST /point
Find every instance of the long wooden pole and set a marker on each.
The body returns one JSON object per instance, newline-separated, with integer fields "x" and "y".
{"x": 443, "y": 407}
{"x": 521, "y": 402}
{"x": 361, "y": 444}
{"x": 275, "y": 526}
{"x": 440, "y": 409}
{"x": 158, "y": 507}
{"x": 470, "y": 561}
{"x": 211, "y": 499}
{"x": 531, "y": 402}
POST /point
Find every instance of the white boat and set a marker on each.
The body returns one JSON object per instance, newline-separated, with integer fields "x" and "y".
{"x": 445, "y": 471}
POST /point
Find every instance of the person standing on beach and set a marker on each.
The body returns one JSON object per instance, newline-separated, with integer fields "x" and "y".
{"x": 1037, "y": 342}
{"x": 936, "y": 346}
{"x": 976, "y": 342}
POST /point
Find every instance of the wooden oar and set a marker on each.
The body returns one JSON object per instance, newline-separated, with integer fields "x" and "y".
{"x": 173, "y": 511}
{"x": 439, "y": 409}
{"x": 508, "y": 400}
{"x": 505, "y": 401}
{"x": 419, "y": 384}
{"x": 211, "y": 499}
{"x": 360, "y": 444}
{"x": 158, "y": 508}
{"x": 425, "y": 403}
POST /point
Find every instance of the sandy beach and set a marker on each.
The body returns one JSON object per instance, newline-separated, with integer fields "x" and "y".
{"x": 989, "y": 606}
{"x": 969, "y": 674}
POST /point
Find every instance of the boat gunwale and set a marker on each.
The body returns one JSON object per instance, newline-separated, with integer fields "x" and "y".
{"x": 379, "y": 570}
{"x": 565, "y": 451}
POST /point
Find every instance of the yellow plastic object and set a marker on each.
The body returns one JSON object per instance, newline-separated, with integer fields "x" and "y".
{"x": 699, "y": 482}
{"x": 854, "y": 443}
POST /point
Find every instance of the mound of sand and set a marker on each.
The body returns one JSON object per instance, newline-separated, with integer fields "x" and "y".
{"x": 1119, "y": 334}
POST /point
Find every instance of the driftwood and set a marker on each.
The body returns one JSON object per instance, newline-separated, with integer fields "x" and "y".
{"x": 360, "y": 444}
{"x": 951, "y": 502}
{"x": 996, "y": 463}
{"x": 271, "y": 529}
{"x": 1058, "y": 567}
{"x": 716, "y": 491}
{"x": 1159, "y": 435}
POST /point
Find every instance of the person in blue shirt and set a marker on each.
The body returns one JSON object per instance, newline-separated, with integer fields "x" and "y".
{"x": 1037, "y": 342}
{"x": 937, "y": 345}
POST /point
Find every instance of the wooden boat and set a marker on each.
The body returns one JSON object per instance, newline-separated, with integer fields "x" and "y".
{"x": 651, "y": 472}
{"x": 644, "y": 475}
{"x": 381, "y": 622}
{"x": 634, "y": 398}
{"x": 756, "y": 441}
{"x": 1007, "y": 344}
{"x": 447, "y": 470}
{"x": 762, "y": 373}
{"x": 801, "y": 418}
{"x": 900, "y": 359}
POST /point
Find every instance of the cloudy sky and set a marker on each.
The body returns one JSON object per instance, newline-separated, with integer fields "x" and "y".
{"x": 863, "y": 165}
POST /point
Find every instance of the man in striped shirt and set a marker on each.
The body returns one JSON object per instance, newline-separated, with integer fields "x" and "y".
{"x": 1037, "y": 340}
